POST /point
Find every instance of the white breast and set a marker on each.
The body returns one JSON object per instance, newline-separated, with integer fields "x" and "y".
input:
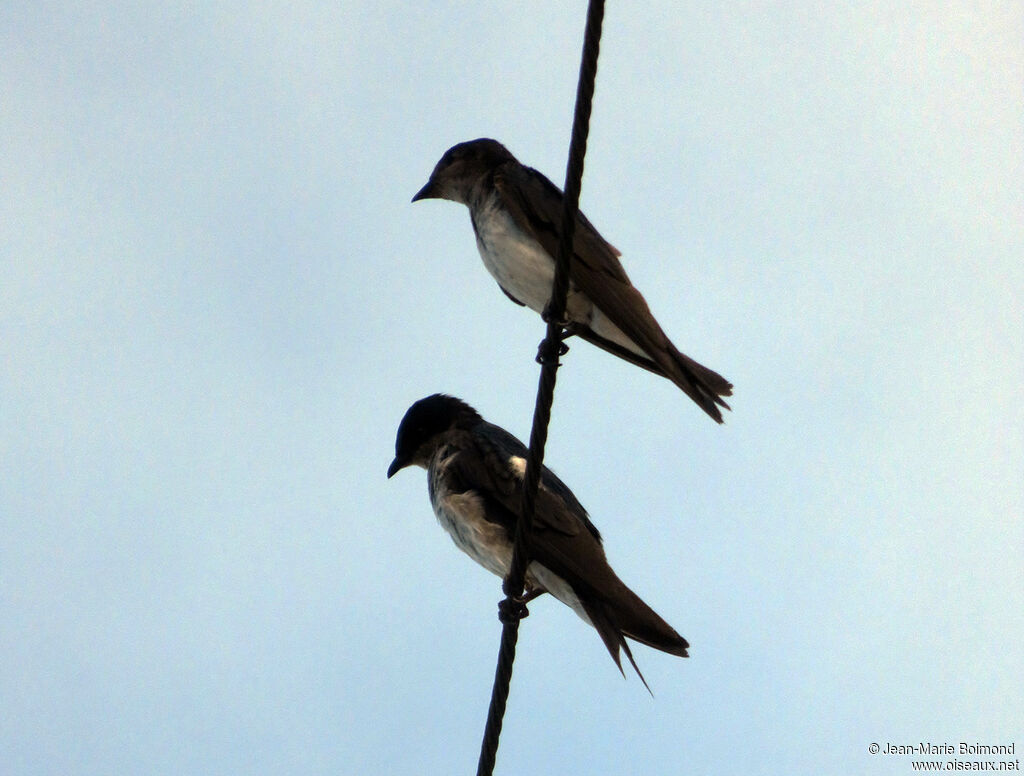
{"x": 461, "y": 515}
{"x": 517, "y": 261}
{"x": 526, "y": 271}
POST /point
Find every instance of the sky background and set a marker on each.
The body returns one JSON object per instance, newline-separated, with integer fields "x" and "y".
{"x": 217, "y": 302}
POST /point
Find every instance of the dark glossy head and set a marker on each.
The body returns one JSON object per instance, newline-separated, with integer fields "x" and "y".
{"x": 461, "y": 167}
{"x": 423, "y": 423}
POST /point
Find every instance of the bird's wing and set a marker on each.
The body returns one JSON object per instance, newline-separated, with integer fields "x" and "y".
{"x": 562, "y": 537}
{"x": 536, "y": 203}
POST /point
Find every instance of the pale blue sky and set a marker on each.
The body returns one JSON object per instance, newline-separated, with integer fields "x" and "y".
{"x": 216, "y": 303}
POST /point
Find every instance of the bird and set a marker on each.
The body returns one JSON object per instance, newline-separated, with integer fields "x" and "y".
{"x": 475, "y": 476}
{"x": 516, "y": 214}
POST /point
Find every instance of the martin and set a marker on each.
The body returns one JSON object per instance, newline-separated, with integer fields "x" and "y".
{"x": 517, "y": 216}
{"x": 475, "y": 473}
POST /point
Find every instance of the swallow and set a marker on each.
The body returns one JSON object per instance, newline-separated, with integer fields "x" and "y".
{"x": 517, "y": 215}
{"x": 475, "y": 475}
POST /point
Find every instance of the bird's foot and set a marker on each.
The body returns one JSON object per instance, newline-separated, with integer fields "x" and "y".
{"x": 549, "y": 351}
{"x": 512, "y": 609}
{"x": 531, "y": 593}
{"x": 547, "y": 317}
{"x": 571, "y": 329}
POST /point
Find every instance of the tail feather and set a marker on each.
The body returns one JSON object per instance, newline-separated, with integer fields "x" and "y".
{"x": 705, "y": 386}
{"x": 612, "y": 638}
{"x": 631, "y": 617}
{"x": 636, "y": 619}
{"x": 712, "y": 381}
{"x": 632, "y": 662}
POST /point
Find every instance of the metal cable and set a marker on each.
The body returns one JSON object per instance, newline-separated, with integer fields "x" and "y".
{"x": 512, "y": 608}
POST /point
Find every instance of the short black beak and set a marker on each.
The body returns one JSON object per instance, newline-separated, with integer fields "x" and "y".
{"x": 427, "y": 192}
{"x": 395, "y": 466}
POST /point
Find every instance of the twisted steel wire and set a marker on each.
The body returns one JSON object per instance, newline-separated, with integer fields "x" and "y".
{"x": 512, "y": 608}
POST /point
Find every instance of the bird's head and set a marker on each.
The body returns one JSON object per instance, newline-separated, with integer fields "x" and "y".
{"x": 423, "y": 424}
{"x": 461, "y": 168}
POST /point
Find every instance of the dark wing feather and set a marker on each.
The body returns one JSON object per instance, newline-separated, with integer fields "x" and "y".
{"x": 596, "y": 271}
{"x": 557, "y": 506}
{"x": 563, "y": 540}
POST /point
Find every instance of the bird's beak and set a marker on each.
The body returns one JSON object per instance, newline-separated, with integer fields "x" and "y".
{"x": 396, "y": 466}
{"x": 427, "y": 192}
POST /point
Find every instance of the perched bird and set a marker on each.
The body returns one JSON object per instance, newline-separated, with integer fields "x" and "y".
{"x": 475, "y": 473}
{"x": 517, "y": 217}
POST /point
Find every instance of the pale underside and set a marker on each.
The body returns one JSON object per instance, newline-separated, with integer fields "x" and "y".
{"x": 462, "y": 516}
{"x": 526, "y": 271}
